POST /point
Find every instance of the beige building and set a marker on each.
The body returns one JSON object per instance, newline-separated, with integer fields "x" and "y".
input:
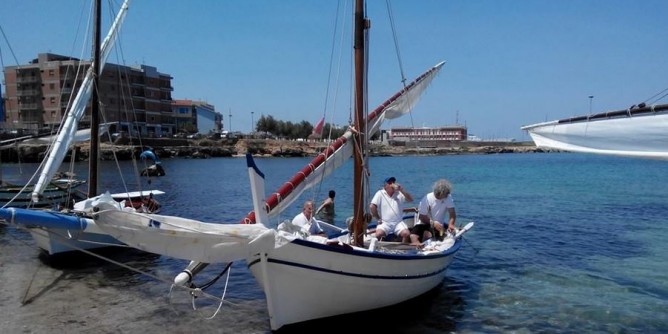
{"x": 428, "y": 136}
{"x": 196, "y": 116}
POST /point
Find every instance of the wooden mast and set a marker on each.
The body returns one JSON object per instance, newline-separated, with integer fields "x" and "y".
{"x": 358, "y": 138}
{"x": 95, "y": 113}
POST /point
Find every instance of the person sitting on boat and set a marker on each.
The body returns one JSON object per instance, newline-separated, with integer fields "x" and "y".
{"x": 326, "y": 210}
{"x": 387, "y": 207}
{"x": 306, "y": 221}
{"x": 151, "y": 204}
{"x": 431, "y": 213}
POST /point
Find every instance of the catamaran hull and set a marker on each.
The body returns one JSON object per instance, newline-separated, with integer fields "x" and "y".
{"x": 641, "y": 135}
{"x": 304, "y": 281}
{"x": 57, "y": 232}
{"x": 57, "y": 241}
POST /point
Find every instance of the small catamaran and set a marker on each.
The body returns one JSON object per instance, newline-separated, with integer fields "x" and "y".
{"x": 347, "y": 268}
{"x": 61, "y": 231}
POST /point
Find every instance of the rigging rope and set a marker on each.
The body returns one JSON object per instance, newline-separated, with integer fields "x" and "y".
{"x": 318, "y": 190}
{"x": 401, "y": 67}
{"x": 655, "y": 96}
{"x": 396, "y": 42}
{"x": 71, "y": 243}
{"x": 2, "y": 61}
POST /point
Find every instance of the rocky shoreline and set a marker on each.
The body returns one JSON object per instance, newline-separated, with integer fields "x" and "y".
{"x": 206, "y": 148}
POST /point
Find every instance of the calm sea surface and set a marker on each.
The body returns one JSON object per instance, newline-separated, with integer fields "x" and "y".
{"x": 562, "y": 243}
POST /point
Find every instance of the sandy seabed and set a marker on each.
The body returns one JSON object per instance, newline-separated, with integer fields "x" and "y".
{"x": 92, "y": 296}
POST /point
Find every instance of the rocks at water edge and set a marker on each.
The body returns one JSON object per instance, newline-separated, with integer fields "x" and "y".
{"x": 206, "y": 148}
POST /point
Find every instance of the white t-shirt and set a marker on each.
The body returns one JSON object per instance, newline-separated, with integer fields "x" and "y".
{"x": 435, "y": 208}
{"x": 390, "y": 209}
{"x": 310, "y": 226}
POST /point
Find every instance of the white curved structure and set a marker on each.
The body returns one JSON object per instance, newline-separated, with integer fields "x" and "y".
{"x": 638, "y": 132}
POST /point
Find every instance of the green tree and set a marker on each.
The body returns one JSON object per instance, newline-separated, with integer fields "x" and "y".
{"x": 289, "y": 130}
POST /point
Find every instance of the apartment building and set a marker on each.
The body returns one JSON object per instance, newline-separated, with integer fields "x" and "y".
{"x": 137, "y": 100}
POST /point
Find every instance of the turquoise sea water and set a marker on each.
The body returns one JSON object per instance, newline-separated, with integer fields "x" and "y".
{"x": 562, "y": 243}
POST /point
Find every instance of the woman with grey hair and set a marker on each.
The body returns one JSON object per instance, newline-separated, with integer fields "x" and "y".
{"x": 431, "y": 212}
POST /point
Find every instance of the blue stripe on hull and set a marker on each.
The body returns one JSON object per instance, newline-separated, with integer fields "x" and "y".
{"x": 337, "y": 272}
{"x": 449, "y": 252}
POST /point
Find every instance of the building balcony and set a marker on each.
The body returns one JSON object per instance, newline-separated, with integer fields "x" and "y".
{"x": 31, "y": 120}
{"x": 28, "y": 106}
{"x": 28, "y": 92}
{"x": 30, "y": 79}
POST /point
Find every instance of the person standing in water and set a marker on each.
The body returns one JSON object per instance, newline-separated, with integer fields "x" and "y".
{"x": 326, "y": 210}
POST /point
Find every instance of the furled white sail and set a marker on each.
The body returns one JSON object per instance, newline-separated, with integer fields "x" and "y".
{"x": 341, "y": 150}
{"x": 69, "y": 128}
{"x": 404, "y": 101}
{"x": 639, "y": 132}
{"x": 180, "y": 237}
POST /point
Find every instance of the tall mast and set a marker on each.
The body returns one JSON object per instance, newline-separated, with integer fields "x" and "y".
{"x": 95, "y": 112}
{"x": 358, "y": 138}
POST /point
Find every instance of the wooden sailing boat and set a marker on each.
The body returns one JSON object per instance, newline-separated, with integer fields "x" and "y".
{"x": 306, "y": 277}
{"x": 349, "y": 276}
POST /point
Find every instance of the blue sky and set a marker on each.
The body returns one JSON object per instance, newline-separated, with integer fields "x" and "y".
{"x": 509, "y": 63}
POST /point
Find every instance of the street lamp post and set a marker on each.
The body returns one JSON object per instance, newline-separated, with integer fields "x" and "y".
{"x": 230, "y": 120}
{"x": 252, "y": 122}
{"x": 591, "y": 97}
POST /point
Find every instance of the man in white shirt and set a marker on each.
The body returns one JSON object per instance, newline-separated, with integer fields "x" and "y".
{"x": 387, "y": 207}
{"x": 432, "y": 210}
{"x": 306, "y": 222}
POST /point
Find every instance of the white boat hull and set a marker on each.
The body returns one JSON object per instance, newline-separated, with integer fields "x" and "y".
{"x": 642, "y": 135}
{"x": 304, "y": 280}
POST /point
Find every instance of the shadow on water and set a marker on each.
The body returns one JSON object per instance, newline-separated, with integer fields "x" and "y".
{"x": 78, "y": 268}
{"x": 42, "y": 291}
{"x": 436, "y": 311}
{"x": 108, "y": 263}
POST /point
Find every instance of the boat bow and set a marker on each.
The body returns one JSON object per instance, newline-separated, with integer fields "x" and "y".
{"x": 635, "y": 132}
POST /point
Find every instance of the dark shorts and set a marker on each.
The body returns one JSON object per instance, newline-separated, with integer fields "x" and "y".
{"x": 419, "y": 230}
